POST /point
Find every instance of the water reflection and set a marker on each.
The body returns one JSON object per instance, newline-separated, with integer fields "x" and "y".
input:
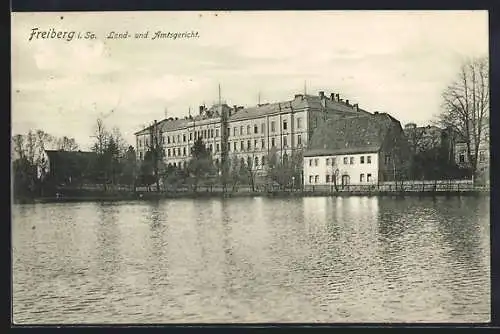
{"x": 253, "y": 260}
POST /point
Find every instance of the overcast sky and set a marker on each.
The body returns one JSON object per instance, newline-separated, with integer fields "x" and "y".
{"x": 396, "y": 62}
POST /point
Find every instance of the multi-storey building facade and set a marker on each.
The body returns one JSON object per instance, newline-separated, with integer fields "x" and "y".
{"x": 247, "y": 135}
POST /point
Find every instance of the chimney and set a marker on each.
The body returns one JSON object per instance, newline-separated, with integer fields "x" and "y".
{"x": 322, "y": 95}
{"x": 201, "y": 110}
{"x": 410, "y": 126}
{"x": 356, "y": 107}
{"x": 298, "y": 96}
{"x": 347, "y": 102}
{"x": 375, "y": 113}
{"x": 337, "y": 97}
{"x": 332, "y": 96}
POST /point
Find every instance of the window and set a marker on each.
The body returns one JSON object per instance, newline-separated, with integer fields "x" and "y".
{"x": 368, "y": 177}
{"x": 249, "y": 162}
{"x": 361, "y": 177}
{"x": 362, "y": 159}
{"x": 242, "y": 147}
{"x": 273, "y": 142}
{"x": 178, "y": 138}
{"x": 327, "y": 178}
{"x": 173, "y": 152}
{"x": 333, "y": 161}
{"x": 162, "y": 139}
{"x": 173, "y": 140}
{"x": 248, "y": 129}
{"x": 310, "y": 179}
{"x": 387, "y": 159}
{"x": 217, "y": 162}
{"x": 211, "y": 148}
{"x": 234, "y": 131}
{"x": 168, "y": 152}
{"x": 482, "y": 156}
{"x": 461, "y": 157}
{"x": 175, "y": 165}
{"x": 299, "y": 123}
{"x": 168, "y": 139}
{"x": 351, "y": 161}
{"x": 263, "y": 144}
{"x": 228, "y": 131}
{"x": 310, "y": 162}
{"x": 205, "y": 134}
{"x": 140, "y": 155}
{"x": 316, "y": 162}
{"x": 190, "y": 136}
{"x": 369, "y": 159}
{"x": 256, "y": 162}
{"x": 218, "y": 147}
{"x": 316, "y": 178}
{"x": 179, "y": 151}
{"x": 273, "y": 126}
{"x": 249, "y": 145}
{"x": 184, "y": 151}
{"x": 212, "y": 133}
{"x": 263, "y": 160}
{"x": 217, "y": 133}
{"x": 285, "y": 125}
{"x": 345, "y": 161}
{"x": 234, "y": 146}
{"x": 285, "y": 143}
{"x": 263, "y": 128}
{"x": 255, "y": 129}
{"x": 299, "y": 140}
{"x": 328, "y": 161}
{"x": 183, "y": 138}
{"x": 255, "y": 144}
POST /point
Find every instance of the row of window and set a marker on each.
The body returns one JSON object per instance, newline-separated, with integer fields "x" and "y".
{"x": 240, "y": 130}
{"x": 242, "y": 147}
{"x": 347, "y": 161}
{"x": 330, "y": 178}
{"x": 482, "y": 157}
{"x": 214, "y": 133}
{"x": 249, "y": 161}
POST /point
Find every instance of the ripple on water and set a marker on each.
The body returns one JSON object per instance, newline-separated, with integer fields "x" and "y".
{"x": 246, "y": 260}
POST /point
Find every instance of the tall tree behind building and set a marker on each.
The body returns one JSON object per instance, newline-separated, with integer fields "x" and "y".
{"x": 466, "y": 104}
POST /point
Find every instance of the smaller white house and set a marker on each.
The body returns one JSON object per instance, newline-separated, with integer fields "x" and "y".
{"x": 359, "y": 150}
{"x": 341, "y": 169}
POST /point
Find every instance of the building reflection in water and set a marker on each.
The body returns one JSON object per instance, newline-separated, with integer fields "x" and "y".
{"x": 158, "y": 261}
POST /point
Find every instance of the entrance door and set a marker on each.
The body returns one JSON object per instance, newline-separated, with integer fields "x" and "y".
{"x": 345, "y": 180}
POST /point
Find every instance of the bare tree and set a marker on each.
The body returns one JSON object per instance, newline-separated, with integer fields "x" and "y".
{"x": 466, "y": 104}
{"x": 67, "y": 144}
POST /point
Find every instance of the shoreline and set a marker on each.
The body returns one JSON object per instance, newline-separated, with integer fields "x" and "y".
{"x": 148, "y": 196}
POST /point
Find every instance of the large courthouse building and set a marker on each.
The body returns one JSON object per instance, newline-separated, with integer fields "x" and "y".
{"x": 247, "y": 134}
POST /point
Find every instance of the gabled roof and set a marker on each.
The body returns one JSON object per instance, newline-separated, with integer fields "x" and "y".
{"x": 351, "y": 135}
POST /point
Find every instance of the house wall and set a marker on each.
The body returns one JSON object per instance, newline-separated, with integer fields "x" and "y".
{"x": 319, "y": 170}
{"x": 394, "y": 155}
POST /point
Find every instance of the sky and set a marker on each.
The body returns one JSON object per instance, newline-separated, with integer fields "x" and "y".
{"x": 396, "y": 62}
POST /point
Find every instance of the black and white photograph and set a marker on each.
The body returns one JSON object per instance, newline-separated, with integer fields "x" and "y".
{"x": 250, "y": 167}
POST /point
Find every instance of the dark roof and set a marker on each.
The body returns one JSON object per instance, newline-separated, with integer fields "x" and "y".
{"x": 351, "y": 135}
{"x": 300, "y": 102}
{"x": 62, "y": 158}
